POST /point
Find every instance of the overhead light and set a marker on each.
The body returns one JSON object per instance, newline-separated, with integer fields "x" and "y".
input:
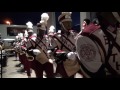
{"x": 8, "y": 22}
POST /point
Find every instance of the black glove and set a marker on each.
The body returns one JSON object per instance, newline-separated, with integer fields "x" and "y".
{"x": 30, "y": 52}
{"x": 60, "y": 57}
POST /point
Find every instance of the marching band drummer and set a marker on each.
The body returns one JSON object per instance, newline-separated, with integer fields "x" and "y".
{"x": 39, "y": 50}
{"x": 68, "y": 65}
{"x": 98, "y": 47}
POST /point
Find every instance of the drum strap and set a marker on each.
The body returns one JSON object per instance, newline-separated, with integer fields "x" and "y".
{"x": 114, "y": 43}
{"x": 107, "y": 56}
{"x": 62, "y": 43}
{"x": 37, "y": 44}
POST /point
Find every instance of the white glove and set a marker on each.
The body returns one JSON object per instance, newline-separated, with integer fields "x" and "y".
{"x": 36, "y": 51}
{"x": 71, "y": 55}
{"x": 49, "y": 51}
{"x": 50, "y": 60}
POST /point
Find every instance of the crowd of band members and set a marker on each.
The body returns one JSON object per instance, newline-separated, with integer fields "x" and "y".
{"x": 58, "y": 53}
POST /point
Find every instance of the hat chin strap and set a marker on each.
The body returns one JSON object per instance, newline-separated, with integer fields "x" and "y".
{"x": 63, "y": 27}
{"x": 41, "y": 33}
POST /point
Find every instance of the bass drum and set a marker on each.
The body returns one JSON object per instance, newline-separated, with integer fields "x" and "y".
{"x": 90, "y": 59}
{"x": 87, "y": 50}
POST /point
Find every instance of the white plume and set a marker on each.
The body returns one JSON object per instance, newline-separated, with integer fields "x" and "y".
{"x": 26, "y": 33}
{"x": 59, "y": 31}
{"x": 29, "y": 24}
{"x": 16, "y": 37}
{"x": 42, "y": 21}
{"x": 20, "y": 35}
{"x": 45, "y": 17}
{"x": 51, "y": 29}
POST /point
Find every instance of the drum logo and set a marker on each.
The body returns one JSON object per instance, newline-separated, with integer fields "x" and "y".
{"x": 87, "y": 52}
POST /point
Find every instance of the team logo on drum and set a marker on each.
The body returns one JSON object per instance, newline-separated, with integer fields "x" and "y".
{"x": 87, "y": 52}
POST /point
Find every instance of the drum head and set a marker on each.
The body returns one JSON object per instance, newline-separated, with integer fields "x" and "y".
{"x": 88, "y": 53}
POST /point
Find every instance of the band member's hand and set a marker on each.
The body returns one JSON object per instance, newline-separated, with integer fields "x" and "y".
{"x": 30, "y": 51}
{"x": 45, "y": 18}
{"x": 71, "y": 55}
{"x": 49, "y": 51}
{"x": 36, "y": 51}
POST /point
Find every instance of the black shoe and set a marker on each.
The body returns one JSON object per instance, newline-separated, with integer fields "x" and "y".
{"x": 15, "y": 60}
{"x": 21, "y": 70}
{"x": 57, "y": 75}
{"x": 18, "y": 65}
{"x": 30, "y": 71}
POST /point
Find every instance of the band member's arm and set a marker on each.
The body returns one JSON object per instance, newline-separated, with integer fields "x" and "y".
{"x": 33, "y": 50}
{"x": 31, "y": 46}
